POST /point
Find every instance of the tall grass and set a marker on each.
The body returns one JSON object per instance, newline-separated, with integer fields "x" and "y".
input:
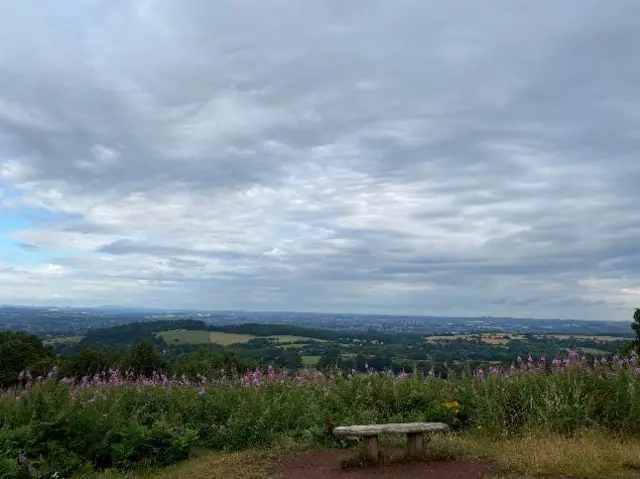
{"x": 53, "y": 427}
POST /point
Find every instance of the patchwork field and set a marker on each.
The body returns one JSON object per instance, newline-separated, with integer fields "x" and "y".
{"x": 585, "y": 337}
{"x": 182, "y": 336}
{"x": 226, "y": 339}
{"x": 501, "y": 339}
{"x": 285, "y": 338}
{"x": 64, "y": 340}
{"x": 495, "y": 339}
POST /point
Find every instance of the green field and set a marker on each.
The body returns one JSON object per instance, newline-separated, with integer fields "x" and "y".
{"x": 185, "y": 336}
{"x": 182, "y": 336}
{"x": 228, "y": 338}
{"x": 64, "y": 340}
{"x": 310, "y": 360}
{"x": 593, "y": 351}
{"x": 585, "y": 337}
{"x": 284, "y": 338}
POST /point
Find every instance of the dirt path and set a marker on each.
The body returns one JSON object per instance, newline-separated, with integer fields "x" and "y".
{"x": 326, "y": 465}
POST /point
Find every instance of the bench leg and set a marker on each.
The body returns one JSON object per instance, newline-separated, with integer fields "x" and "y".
{"x": 371, "y": 447}
{"x": 414, "y": 444}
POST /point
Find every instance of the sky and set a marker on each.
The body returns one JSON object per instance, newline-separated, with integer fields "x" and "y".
{"x": 408, "y": 157}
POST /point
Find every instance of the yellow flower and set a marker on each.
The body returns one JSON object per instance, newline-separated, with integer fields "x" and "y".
{"x": 452, "y": 406}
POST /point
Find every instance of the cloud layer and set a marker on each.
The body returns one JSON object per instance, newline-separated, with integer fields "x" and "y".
{"x": 410, "y": 157}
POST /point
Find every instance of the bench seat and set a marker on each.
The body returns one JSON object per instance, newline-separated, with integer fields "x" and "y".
{"x": 370, "y": 432}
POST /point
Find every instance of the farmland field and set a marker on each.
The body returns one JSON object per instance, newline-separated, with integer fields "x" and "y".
{"x": 593, "y": 351}
{"x": 64, "y": 340}
{"x": 495, "y": 339}
{"x": 183, "y": 336}
{"x": 228, "y": 338}
{"x": 310, "y": 360}
{"x": 584, "y": 337}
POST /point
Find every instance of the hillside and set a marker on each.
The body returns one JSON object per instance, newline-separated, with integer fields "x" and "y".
{"x": 294, "y": 346}
{"x": 560, "y": 418}
{"x": 165, "y": 397}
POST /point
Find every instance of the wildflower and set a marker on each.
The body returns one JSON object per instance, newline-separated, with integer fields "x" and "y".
{"x": 452, "y": 406}
{"x": 53, "y": 374}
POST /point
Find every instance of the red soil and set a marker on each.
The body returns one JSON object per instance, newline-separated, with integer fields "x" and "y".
{"x": 327, "y": 465}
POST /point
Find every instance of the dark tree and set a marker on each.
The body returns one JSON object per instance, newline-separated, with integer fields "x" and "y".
{"x": 22, "y": 352}
{"x": 87, "y": 362}
{"x": 143, "y": 359}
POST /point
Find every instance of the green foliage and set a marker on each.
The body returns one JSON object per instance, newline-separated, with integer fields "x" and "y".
{"x": 209, "y": 363}
{"x": 21, "y": 352}
{"x": 143, "y": 359}
{"x": 633, "y": 345}
{"x": 87, "y": 362}
{"x": 69, "y": 431}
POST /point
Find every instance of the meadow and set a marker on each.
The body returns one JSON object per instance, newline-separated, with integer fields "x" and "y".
{"x": 64, "y": 340}
{"x": 121, "y": 423}
{"x": 494, "y": 339}
{"x": 190, "y": 336}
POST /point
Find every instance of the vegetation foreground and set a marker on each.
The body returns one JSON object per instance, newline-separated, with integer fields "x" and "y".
{"x": 121, "y": 422}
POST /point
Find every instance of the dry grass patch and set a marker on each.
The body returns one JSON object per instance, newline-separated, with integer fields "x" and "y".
{"x": 587, "y": 455}
{"x": 240, "y": 465}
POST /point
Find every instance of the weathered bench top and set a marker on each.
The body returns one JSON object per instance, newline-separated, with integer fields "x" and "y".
{"x": 402, "y": 428}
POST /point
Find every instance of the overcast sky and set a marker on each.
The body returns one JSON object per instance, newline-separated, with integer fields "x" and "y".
{"x": 407, "y": 156}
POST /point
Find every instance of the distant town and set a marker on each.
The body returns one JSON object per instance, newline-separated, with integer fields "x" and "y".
{"x": 55, "y": 321}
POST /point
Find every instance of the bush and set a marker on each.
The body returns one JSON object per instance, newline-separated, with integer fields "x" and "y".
{"x": 125, "y": 423}
{"x": 19, "y": 353}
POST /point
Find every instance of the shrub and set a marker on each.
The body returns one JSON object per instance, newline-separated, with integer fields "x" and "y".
{"x": 124, "y": 421}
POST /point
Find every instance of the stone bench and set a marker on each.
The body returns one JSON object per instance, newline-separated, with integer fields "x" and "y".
{"x": 370, "y": 433}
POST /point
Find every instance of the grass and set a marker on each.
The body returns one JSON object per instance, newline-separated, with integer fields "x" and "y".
{"x": 250, "y": 464}
{"x": 588, "y": 454}
{"x": 498, "y": 339}
{"x": 226, "y": 339}
{"x": 241, "y": 465}
{"x": 64, "y": 340}
{"x": 582, "y": 336}
{"x": 494, "y": 339}
{"x": 593, "y": 351}
{"x": 115, "y": 426}
{"x": 310, "y": 360}
{"x": 183, "y": 336}
{"x": 195, "y": 336}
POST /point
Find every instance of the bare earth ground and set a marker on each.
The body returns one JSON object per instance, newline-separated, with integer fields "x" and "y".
{"x": 327, "y": 465}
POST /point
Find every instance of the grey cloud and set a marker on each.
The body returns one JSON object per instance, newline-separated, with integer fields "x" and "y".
{"x": 124, "y": 247}
{"x": 287, "y": 154}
